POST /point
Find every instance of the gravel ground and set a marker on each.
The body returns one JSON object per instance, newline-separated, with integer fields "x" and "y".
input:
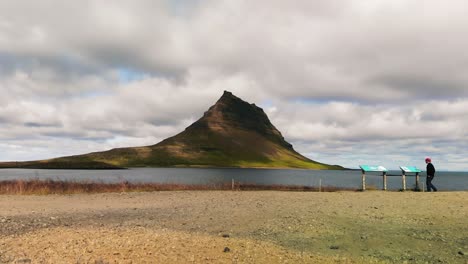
{"x": 235, "y": 227}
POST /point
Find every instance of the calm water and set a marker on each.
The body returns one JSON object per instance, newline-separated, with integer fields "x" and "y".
{"x": 446, "y": 181}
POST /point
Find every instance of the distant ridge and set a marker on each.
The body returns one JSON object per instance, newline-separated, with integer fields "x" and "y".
{"x": 232, "y": 133}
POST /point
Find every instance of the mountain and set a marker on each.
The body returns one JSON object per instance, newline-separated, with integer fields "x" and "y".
{"x": 232, "y": 133}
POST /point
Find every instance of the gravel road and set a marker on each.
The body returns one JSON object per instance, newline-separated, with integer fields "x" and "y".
{"x": 235, "y": 227}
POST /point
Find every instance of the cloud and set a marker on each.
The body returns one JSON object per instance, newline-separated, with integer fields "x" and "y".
{"x": 341, "y": 131}
{"x": 322, "y": 49}
{"x": 341, "y": 80}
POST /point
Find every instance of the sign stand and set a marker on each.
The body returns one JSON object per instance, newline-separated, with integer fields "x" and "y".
{"x": 409, "y": 169}
{"x": 373, "y": 168}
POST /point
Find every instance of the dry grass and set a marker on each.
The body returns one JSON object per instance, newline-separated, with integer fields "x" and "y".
{"x": 298, "y": 188}
{"x": 44, "y": 187}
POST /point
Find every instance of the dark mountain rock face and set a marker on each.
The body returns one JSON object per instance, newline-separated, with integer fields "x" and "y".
{"x": 230, "y": 112}
{"x": 232, "y": 133}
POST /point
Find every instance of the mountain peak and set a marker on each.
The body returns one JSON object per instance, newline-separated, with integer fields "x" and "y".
{"x": 229, "y": 98}
{"x": 232, "y": 113}
{"x": 227, "y": 94}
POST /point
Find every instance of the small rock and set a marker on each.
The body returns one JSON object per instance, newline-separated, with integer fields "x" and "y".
{"x": 25, "y": 260}
{"x": 226, "y": 249}
{"x": 461, "y": 253}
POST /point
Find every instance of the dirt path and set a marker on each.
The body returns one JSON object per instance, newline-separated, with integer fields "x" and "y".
{"x": 236, "y": 227}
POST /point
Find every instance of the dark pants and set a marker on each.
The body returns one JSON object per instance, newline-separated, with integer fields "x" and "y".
{"x": 429, "y": 184}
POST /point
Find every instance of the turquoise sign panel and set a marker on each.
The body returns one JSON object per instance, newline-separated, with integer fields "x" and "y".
{"x": 373, "y": 168}
{"x": 410, "y": 169}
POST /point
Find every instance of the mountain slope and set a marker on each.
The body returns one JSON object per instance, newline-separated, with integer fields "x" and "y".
{"x": 232, "y": 133}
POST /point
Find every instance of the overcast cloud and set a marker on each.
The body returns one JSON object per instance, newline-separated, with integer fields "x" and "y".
{"x": 347, "y": 82}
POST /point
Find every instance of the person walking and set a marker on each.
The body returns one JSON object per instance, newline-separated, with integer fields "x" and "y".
{"x": 430, "y": 172}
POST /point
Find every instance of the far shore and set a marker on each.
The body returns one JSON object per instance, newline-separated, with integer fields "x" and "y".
{"x": 50, "y": 166}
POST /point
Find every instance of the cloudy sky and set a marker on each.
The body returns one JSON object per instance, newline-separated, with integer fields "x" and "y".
{"x": 346, "y": 82}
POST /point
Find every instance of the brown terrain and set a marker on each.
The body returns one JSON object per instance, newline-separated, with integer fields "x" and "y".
{"x": 235, "y": 227}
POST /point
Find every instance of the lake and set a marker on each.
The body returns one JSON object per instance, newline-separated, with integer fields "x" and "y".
{"x": 444, "y": 181}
